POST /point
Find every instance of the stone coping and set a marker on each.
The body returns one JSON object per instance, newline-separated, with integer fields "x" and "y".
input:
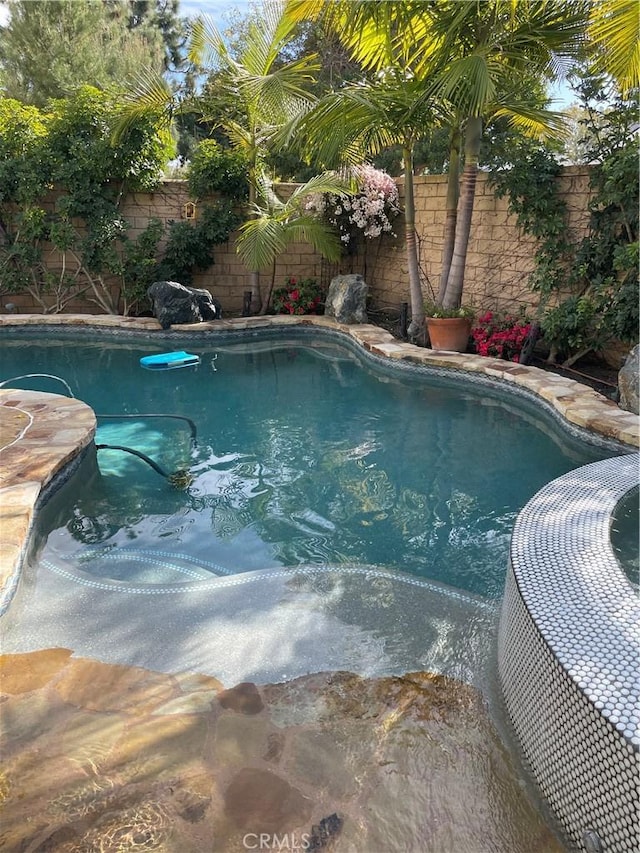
{"x": 40, "y": 433}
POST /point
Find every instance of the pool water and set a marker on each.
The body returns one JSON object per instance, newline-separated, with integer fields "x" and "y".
{"x": 625, "y": 534}
{"x": 306, "y": 454}
{"x": 343, "y": 545}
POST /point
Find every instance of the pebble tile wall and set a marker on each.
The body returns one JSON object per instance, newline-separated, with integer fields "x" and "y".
{"x": 569, "y": 649}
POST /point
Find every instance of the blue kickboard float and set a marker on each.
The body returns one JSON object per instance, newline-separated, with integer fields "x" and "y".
{"x": 169, "y": 360}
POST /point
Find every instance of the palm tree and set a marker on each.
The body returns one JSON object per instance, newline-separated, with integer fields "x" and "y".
{"x": 482, "y": 47}
{"x": 277, "y": 223}
{"x": 465, "y": 58}
{"x": 266, "y": 92}
{"x": 362, "y": 120}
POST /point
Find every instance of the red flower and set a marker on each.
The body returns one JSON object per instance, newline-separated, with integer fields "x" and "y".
{"x": 294, "y": 295}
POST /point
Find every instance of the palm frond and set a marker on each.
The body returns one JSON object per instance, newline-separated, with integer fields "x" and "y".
{"x": 148, "y": 94}
{"x": 468, "y": 83}
{"x": 280, "y": 92}
{"x": 346, "y": 126}
{"x": 535, "y": 122}
{"x": 308, "y": 229}
{"x": 260, "y": 241}
{"x": 615, "y": 29}
{"x": 206, "y": 46}
{"x": 327, "y": 182}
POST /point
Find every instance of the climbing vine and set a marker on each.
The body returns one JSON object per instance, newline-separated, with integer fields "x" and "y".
{"x": 600, "y": 273}
{"x": 62, "y": 232}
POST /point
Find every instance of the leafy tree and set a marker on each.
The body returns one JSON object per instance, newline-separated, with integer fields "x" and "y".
{"x": 217, "y": 169}
{"x": 604, "y": 118}
{"x": 50, "y": 48}
{"x": 266, "y": 92}
{"x": 163, "y": 16}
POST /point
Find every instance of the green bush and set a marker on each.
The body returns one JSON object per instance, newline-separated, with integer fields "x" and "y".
{"x": 214, "y": 169}
{"x": 602, "y": 269}
{"x": 189, "y": 246}
{"x": 68, "y": 146}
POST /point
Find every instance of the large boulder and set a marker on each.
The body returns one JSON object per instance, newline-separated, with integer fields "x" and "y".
{"x": 347, "y": 299}
{"x": 629, "y": 382}
{"x": 175, "y": 303}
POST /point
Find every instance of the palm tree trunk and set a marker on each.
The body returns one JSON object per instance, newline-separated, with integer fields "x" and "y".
{"x": 453, "y": 293}
{"x": 453, "y": 191}
{"x": 265, "y": 304}
{"x": 416, "y": 326}
{"x": 254, "y": 275}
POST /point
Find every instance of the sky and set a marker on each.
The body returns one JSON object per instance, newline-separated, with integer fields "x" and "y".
{"x": 214, "y": 8}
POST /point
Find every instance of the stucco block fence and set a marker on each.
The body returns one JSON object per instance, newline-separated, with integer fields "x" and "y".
{"x": 499, "y": 261}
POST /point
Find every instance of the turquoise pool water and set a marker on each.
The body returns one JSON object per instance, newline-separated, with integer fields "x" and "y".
{"x": 625, "y": 534}
{"x": 306, "y": 454}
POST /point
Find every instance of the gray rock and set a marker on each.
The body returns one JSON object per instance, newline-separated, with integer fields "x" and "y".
{"x": 629, "y": 382}
{"x": 347, "y": 299}
{"x": 175, "y": 303}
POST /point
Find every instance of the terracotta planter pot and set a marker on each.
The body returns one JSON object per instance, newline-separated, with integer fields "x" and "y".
{"x": 449, "y": 333}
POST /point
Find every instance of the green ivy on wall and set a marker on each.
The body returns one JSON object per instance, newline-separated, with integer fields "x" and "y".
{"x": 68, "y": 148}
{"x": 600, "y": 273}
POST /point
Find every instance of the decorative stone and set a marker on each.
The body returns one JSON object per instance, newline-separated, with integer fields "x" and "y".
{"x": 259, "y": 801}
{"x": 24, "y": 673}
{"x": 243, "y": 698}
{"x": 629, "y": 382}
{"x": 174, "y": 303}
{"x": 132, "y": 690}
{"x": 347, "y": 299}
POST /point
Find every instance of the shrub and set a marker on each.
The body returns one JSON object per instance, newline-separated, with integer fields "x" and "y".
{"x": 500, "y": 336}
{"x": 189, "y": 247}
{"x": 298, "y": 297}
{"x": 217, "y": 169}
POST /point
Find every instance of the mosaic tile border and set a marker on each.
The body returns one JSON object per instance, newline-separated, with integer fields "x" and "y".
{"x": 569, "y": 646}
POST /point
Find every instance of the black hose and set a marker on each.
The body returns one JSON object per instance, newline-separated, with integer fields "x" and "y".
{"x": 137, "y": 453}
{"x": 192, "y": 426}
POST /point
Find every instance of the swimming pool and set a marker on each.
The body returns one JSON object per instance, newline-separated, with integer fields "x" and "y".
{"x": 306, "y": 609}
{"x": 306, "y": 453}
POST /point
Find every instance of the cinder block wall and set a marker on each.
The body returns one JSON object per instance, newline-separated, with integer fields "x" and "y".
{"x": 499, "y": 260}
